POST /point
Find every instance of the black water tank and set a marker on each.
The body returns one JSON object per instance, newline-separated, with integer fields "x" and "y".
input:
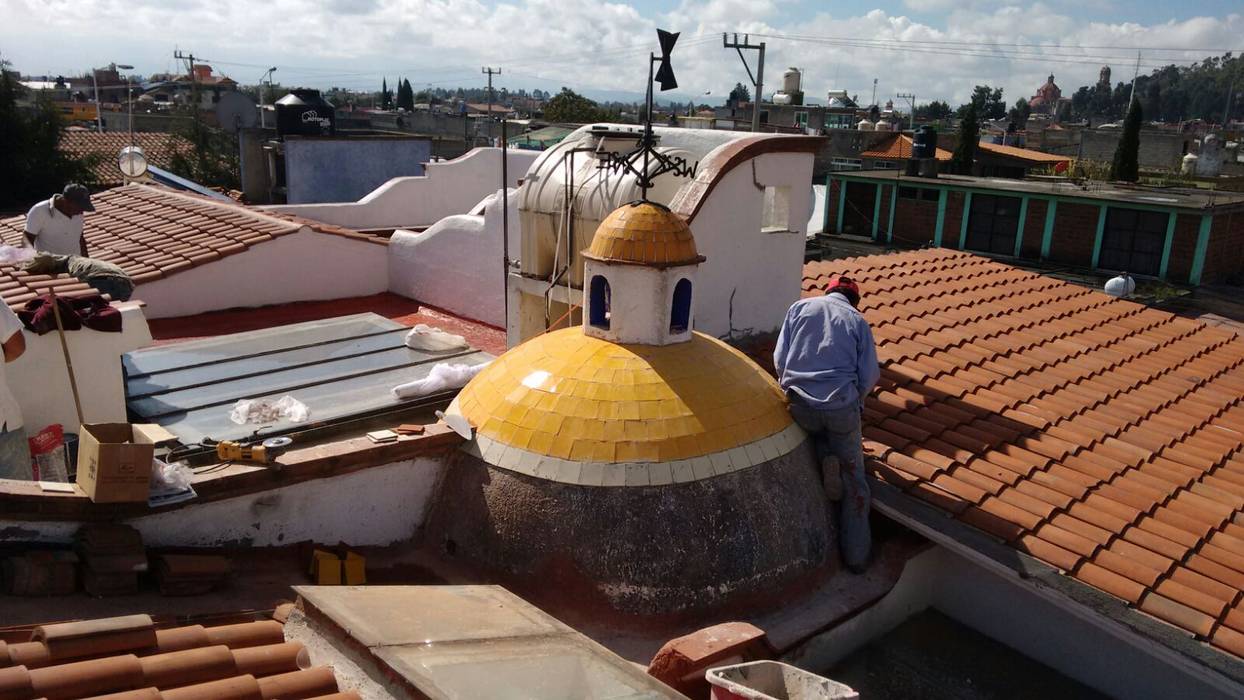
{"x": 304, "y": 113}
{"x": 924, "y": 145}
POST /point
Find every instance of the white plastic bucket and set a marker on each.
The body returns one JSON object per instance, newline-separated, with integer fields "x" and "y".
{"x": 773, "y": 680}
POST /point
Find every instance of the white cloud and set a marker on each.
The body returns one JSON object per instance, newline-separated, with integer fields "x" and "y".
{"x": 596, "y": 44}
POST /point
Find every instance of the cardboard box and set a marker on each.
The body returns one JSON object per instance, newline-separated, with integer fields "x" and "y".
{"x": 114, "y": 460}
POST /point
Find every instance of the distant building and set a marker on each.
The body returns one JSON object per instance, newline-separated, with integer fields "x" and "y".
{"x": 1048, "y": 98}
{"x": 1179, "y": 235}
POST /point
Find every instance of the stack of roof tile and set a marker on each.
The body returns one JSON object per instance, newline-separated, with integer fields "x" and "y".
{"x": 190, "y": 574}
{"x": 153, "y": 232}
{"x": 112, "y": 558}
{"x": 1098, "y": 435}
{"x": 40, "y": 573}
{"x": 127, "y": 658}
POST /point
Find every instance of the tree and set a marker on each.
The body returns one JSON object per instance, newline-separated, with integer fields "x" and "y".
{"x": 1126, "y": 164}
{"x": 933, "y": 111}
{"x": 405, "y": 96}
{"x": 569, "y": 107}
{"x": 988, "y": 103}
{"x": 386, "y": 97}
{"x": 969, "y": 134}
{"x": 1020, "y": 112}
{"x": 739, "y": 94}
{"x": 33, "y": 167}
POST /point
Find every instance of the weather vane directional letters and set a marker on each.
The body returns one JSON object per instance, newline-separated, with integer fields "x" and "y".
{"x": 645, "y": 162}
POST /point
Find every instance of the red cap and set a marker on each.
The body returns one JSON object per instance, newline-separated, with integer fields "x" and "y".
{"x": 846, "y": 287}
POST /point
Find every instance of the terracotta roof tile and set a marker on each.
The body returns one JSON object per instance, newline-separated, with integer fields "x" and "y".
{"x": 127, "y": 657}
{"x": 154, "y": 232}
{"x": 103, "y": 148}
{"x": 1098, "y": 435}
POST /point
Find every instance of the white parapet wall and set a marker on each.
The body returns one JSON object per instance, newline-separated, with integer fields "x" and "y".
{"x": 456, "y": 264}
{"x": 40, "y": 382}
{"x": 448, "y": 188}
{"x": 303, "y": 266}
{"x": 752, "y": 231}
{"x": 377, "y": 506}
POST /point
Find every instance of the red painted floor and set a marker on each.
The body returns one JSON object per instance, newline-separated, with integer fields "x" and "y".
{"x": 406, "y": 311}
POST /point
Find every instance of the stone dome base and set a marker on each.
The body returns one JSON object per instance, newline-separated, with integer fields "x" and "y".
{"x": 643, "y": 550}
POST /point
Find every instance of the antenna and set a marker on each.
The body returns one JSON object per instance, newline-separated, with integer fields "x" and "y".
{"x": 646, "y": 149}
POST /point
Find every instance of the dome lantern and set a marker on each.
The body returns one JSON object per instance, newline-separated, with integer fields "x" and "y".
{"x": 639, "y": 277}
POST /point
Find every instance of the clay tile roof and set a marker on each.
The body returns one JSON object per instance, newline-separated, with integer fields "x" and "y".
{"x": 128, "y": 657}
{"x": 1027, "y": 154}
{"x": 897, "y": 147}
{"x": 103, "y": 149}
{"x": 1098, "y": 435}
{"x": 154, "y": 232}
{"x": 643, "y": 233}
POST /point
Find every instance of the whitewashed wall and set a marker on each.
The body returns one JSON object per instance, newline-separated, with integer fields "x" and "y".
{"x": 40, "y": 383}
{"x": 751, "y": 277}
{"x": 302, "y": 266}
{"x": 448, "y": 188}
{"x": 456, "y": 264}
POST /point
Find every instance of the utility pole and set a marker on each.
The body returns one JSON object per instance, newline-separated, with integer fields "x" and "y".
{"x": 758, "y": 81}
{"x": 874, "y": 92}
{"x": 1135, "y": 75}
{"x": 194, "y": 83}
{"x": 911, "y": 99}
{"x": 490, "y": 72}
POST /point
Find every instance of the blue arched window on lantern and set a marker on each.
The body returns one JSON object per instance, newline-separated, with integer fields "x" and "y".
{"x": 680, "y": 313}
{"x": 598, "y": 302}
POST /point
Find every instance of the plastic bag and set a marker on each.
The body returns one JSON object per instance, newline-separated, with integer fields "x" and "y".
{"x": 170, "y": 483}
{"x": 443, "y": 376}
{"x": 47, "y": 454}
{"x": 425, "y": 337}
{"x": 286, "y": 408}
{"x": 12, "y": 255}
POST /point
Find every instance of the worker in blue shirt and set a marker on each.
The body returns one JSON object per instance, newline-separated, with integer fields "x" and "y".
{"x": 827, "y": 363}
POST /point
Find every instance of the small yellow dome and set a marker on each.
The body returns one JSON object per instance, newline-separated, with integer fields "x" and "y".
{"x": 644, "y": 233}
{"x": 573, "y": 397}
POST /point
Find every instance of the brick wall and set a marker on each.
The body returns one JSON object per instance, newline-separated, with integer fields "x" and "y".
{"x": 954, "y": 219}
{"x": 1034, "y": 227}
{"x": 914, "y": 222}
{"x": 1224, "y": 259}
{"x": 831, "y": 204}
{"x": 1075, "y": 227}
{"x": 1183, "y": 247}
{"x": 858, "y": 219}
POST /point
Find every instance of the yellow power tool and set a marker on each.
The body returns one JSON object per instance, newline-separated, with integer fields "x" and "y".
{"x": 265, "y": 452}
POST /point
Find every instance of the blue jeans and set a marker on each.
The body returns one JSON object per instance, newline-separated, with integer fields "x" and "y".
{"x": 837, "y": 433}
{"x": 15, "y": 455}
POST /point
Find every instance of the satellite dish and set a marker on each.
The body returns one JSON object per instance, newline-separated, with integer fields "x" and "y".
{"x": 132, "y": 161}
{"x": 236, "y": 111}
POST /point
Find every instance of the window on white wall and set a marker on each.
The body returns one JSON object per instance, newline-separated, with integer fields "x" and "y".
{"x": 680, "y": 312}
{"x": 776, "y": 209}
{"x": 598, "y": 303}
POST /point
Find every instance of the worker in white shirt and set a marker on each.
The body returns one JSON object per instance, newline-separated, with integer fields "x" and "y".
{"x": 55, "y": 225}
{"x": 14, "y": 449}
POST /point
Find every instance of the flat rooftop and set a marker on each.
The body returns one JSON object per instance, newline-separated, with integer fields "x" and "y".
{"x": 1176, "y": 197}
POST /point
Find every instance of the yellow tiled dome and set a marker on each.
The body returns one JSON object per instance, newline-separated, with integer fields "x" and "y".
{"x": 569, "y": 396}
{"x": 644, "y": 233}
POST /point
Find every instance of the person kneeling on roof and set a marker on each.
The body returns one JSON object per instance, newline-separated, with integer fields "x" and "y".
{"x": 103, "y": 276}
{"x": 827, "y": 363}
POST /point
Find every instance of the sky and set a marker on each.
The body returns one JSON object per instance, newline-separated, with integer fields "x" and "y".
{"x": 936, "y": 49}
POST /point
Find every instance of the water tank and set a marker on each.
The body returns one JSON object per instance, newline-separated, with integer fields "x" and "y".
{"x": 882, "y": 126}
{"x": 303, "y": 112}
{"x": 791, "y": 80}
{"x": 1188, "y": 166}
{"x": 1209, "y": 162}
{"x": 781, "y": 98}
{"x": 924, "y": 143}
{"x": 865, "y": 125}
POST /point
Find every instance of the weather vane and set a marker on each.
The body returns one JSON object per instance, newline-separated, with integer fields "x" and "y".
{"x": 637, "y": 162}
